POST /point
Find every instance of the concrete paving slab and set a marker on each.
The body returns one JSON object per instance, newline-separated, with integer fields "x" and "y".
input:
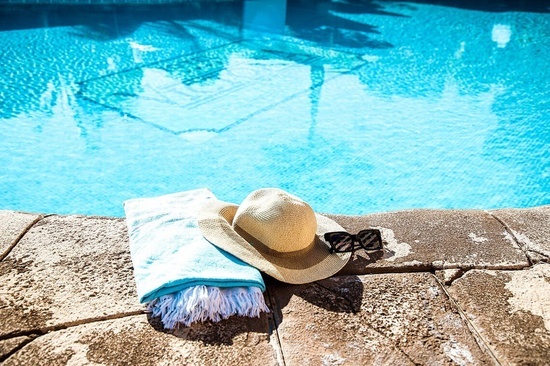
{"x": 134, "y": 341}
{"x": 510, "y": 310}
{"x": 420, "y": 240}
{"x": 12, "y": 226}
{"x": 64, "y": 270}
{"x": 379, "y": 319}
{"x": 531, "y": 227}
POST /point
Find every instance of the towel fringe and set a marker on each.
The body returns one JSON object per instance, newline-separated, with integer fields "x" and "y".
{"x": 202, "y": 303}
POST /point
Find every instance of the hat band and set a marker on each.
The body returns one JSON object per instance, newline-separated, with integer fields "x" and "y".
{"x": 261, "y": 247}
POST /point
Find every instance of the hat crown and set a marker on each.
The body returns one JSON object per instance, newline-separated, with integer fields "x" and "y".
{"x": 277, "y": 221}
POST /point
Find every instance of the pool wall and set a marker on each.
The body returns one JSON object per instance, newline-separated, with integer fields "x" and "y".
{"x": 103, "y": 2}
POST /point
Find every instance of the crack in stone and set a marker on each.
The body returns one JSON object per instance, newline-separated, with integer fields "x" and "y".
{"x": 516, "y": 239}
{"x": 408, "y": 356}
{"x": 536, "y": 257}
{"x": 394, "y": 345}
{"x": 21, "y": 235}
{"x": 461, "y": 271}
{"x": 482, "y": 343}
{"x": 459, "y": 276}
{"x": 279, "y": 347}
{"x": 62, "y": 326}
{"x": 19, "y": 347}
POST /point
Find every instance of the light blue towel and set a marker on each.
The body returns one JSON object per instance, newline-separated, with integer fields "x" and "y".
{"x": 181, "y": 276}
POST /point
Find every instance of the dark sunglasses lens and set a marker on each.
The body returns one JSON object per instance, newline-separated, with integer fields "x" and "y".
{"x": 341, "y": 242}
{"x": 370, "y": 239}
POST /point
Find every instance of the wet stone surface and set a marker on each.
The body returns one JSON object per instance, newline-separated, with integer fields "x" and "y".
{"x": 401, "y": 319}
{"x": 66, "y": 269}
{"x": 510, "y": 310}
{"x": 12, "y": 226}
{"x": 421, "y": 240}
{"x": 135, "y": 341}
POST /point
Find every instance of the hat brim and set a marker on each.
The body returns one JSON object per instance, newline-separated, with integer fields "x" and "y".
{"x": 316, "y": 263}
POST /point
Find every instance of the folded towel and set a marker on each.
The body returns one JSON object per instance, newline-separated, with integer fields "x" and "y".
{"x": 182, "y": 276}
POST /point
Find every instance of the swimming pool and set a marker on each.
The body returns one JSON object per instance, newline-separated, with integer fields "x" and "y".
{"x": 356, "y": 107}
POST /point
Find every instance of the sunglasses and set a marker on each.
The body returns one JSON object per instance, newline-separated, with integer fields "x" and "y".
{"x": 341, "y": 241}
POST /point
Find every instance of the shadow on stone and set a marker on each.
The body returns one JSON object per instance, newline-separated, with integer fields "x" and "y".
{"x": 216, "y": 333}
{"x": 362, "y": 259}
{"x": 335, "y": 294}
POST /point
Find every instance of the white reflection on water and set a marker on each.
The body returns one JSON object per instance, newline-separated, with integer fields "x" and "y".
{"x": 501, "y": 35}
{"x": 112, "y": 65}
{"x": 460, "y": 51}
{"x": 139, "y": 49}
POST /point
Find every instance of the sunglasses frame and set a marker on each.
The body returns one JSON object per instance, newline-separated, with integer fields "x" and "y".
{"x": 355, "y": 239}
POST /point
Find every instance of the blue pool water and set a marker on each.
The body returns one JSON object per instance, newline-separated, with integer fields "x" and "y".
{"x": 356, "y": 107}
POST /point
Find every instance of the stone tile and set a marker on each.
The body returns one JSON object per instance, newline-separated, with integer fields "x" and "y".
{"x": 8, "y": 346}
{"x": 12, "y": 226}
{"x": 66, "y": 269}
{"x": 420, "y": 240}
{"x": 379, "y": 319}
{"x": 134, "y": 341}
{"x": 510, "y": 310}
{"x": 531, "y": 227}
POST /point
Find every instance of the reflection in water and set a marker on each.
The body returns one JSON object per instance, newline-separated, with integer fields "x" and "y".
{"x": 317, "y": 75}
{"x": 59, "y": 99}
{"x": 460, "y": 51}
{"x": 501, "y": 35}
{"x": 46, "y": 99}
{"x": 139, "y": 49}
{"x": 60, "y": 105}
{"x": 112, "y": 64}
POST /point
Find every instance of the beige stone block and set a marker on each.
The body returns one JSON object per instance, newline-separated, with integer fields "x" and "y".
{"x": 531, "y": 227}
{"x": 64, "y": 270}
{"x": 510, "y": 310}
{"x": 420, "y": 240}
{"x": 135, "y": 341}
{"x": 379, "y": 319}
{"x": 12, "y": 226}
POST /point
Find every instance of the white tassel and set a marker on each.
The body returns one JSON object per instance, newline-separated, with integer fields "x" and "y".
{"x": 201, "y": 303}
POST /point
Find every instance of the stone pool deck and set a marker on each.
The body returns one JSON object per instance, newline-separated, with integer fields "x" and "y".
{"x": 453, "y": 287}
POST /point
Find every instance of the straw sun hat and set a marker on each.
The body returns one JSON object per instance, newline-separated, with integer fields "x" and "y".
{"x": 275, "y": 232}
